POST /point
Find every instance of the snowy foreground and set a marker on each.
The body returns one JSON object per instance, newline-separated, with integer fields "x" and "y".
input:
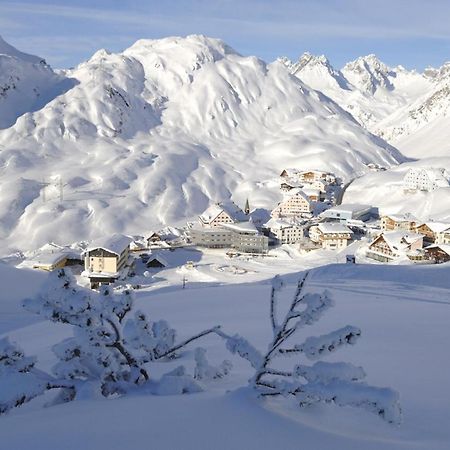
{"x": 403, "y": 313}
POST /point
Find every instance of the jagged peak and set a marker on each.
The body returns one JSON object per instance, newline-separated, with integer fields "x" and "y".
{"x": 438, "y": 74}
{"x": 369, "y": 62}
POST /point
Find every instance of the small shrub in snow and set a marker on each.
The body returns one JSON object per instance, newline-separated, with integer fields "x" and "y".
{"x": 205, "y": 371}
{"x": 109, "y": 350}
{"x": 339, "y": 383}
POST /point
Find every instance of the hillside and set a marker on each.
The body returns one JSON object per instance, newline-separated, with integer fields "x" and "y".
{"x": 152, "y": 135}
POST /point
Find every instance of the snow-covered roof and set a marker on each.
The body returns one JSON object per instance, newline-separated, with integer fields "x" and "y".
{"x": 280, "y": 224}
{"x": 333, "y": 228}
{"x": 298, "y": 192}
{"x": 400, "y": 240}
{"x": 444, "y": 247}
{"x": 45, "y": 259}
{"x": 407, "y": 217}
{"x": 350, "y": 207}
{"x": 245, "y": 227}
{"x": 437, "y": 227}
{"x": 159, "y": 258}
{"x": 116, "y": 243}
{"x": 311, "y": 191}
{"x": 231, "y": 209}
{"x": 290, "y": 172}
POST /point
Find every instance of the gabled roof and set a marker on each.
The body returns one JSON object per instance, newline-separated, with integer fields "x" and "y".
{"x": 116, "y": 243}
{"x": 159, "y": 258}
{"x": 444, "y": 247}
{"x": 407, "y": 217}
{"x": 437, "y": 227}
{"x": 297, "y": 192}
{"x": 399, "y": 240}
{"x": 231, "y": 209}
{"x": 333, "y": 228}
{"x": 281, "y": 224}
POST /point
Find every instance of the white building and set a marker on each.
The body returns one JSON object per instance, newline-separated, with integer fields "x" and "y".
{"x": 284, "y": 231}
{"x": 242, "y": 237}
{"x": 296, "y": 204}
{"x": 222, "y": 213}
{"x": 425, "y": 179}
{"x": 331, "y": 235}
{"x": 348, "y": 212}
{"x": 107, "y": 259}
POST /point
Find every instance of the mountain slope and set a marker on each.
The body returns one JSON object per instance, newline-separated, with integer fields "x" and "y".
{"x": 408, "y": 109}
{"x": 421, "y": 128}
{"x": 27, "y": 83}
{"x": 152, "y": 135}
{"x": 366, "y": 87}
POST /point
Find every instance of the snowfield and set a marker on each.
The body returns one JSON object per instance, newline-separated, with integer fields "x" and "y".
{"x": 403, "y": 313}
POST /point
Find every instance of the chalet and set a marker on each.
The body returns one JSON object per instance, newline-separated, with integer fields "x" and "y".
{"x": 222, "y": 213}
{"x": 425, "y": 179}
{"x": 438, "y": 253}
{"x": 347, "y": 212}
{"x": 288, "y": 185}
{"x": 107, "y": 259}
{"x": 331, "y": 235}
{"x": 391, "y": 245}
{"x": 284, "y": 231}
{"x": 393, "y": 222}
{"x": 153, "y": 238}
{"x": 432, "y": 231}
{"x": 297, "y": 204}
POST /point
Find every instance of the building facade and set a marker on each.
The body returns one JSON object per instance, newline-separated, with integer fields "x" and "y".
{"x": 425, "y": 179}
{"x": 106, "y": 259}
{"x": 332, "y": 236}
{"x": 297, "y": 204}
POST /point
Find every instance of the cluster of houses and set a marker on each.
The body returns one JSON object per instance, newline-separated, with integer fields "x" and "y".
{"x": 404, "y": 236}
{"x": 306, "y": 216}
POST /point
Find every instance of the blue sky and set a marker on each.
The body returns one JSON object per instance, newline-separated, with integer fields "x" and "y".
{"x": 409, "y": 32}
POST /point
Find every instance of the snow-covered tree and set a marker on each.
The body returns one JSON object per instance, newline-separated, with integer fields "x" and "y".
{"x": 327, "y": 382}
{"x": 18, "y": 384}
{"x": 109, "y": 351}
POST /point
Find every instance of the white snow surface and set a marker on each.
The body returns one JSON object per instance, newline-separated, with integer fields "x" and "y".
{"x": 403, "y": 313}
{"x": 155, "y": 134}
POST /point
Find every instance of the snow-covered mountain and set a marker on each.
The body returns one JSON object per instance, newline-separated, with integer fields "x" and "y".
{"x": 27, "y": 83}
{"x": 421, "y": 128}
{"x": 408, "y": 109}
{"x": 366, "y": 87}
{"x": 152, "y": 135}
